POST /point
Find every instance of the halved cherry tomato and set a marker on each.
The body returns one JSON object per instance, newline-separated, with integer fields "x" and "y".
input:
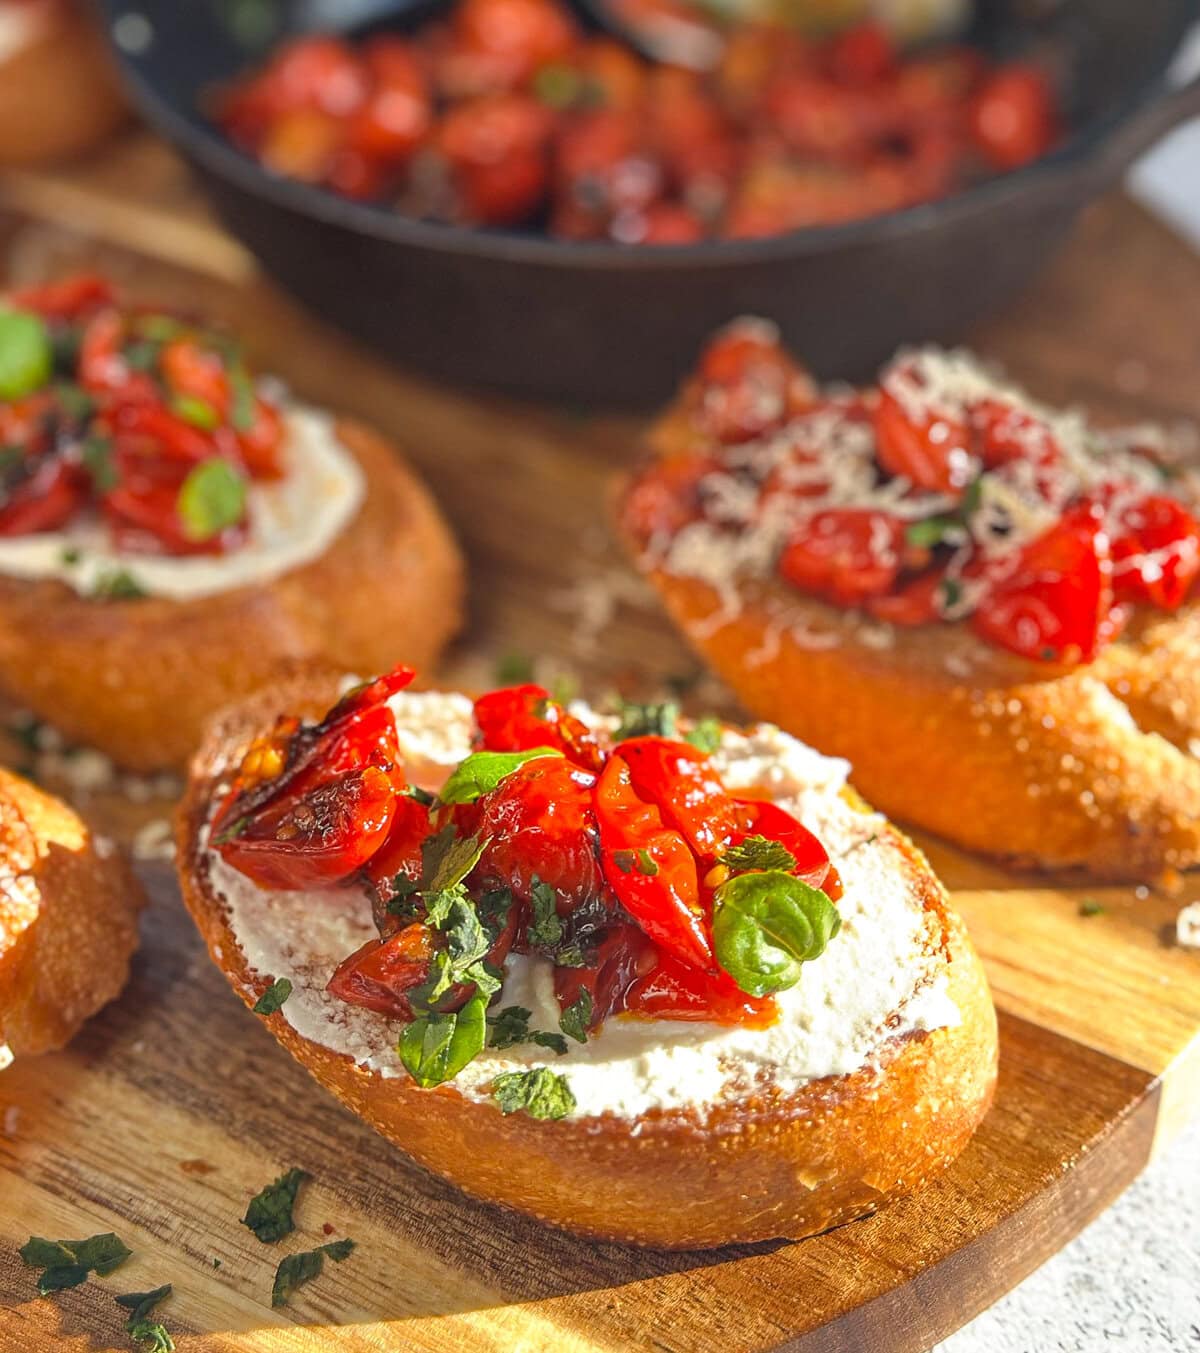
{"x": 68, "y": 298}
{"x": 520, "y": 718}
{"x": 1156, "y": 553}
{"x": 400, "y": 853}
{"x": 679, "y": 780}
{"x": 310, "y": 806}
{"x": 677, "y": 990}
{"x": 1013, "y": 116}
{"x": 666, "y": 497}
{"x": 915, "y": 602}
{"x": 650, "y": 867}
{"x": 933, "y": 450}
{"x": 747, "y": 385}
{"x": 191, "y": 369}
{"x": 497, "y": 147}
{"x": 845, "y": 554}
{"x": 511, "y": 39}
{"x": 622, "y": 956}
{"x": 44, "y": 501}
{"x": 377, "y": 975}
{"x": 763, "y": 817}
{"x": 1056, "y": 603}
{"x": 398, "y": 111}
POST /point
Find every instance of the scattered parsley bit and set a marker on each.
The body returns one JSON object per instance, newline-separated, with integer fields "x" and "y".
{"x": 69, "y": 556}
{"x": 117, "y": 584}
{"x": 241, "y": 398}
{"x": 540, "y": 1092}
{"x": 199, "y": 413}
{"x": 435, "y": 1047}
{"x": 216, "y": 1263}
{"x": 273, "y": 997}
{"x": 97, "y": 455}
{"x": 514, "y": 669}
{"x": 447, "y": 859}
{"x": 951, "y": 591}
{"x": 641, "y": 859}
{"x": 639, "y": 721}
{"x": 511, "y": 1027}
{"x": 705, "y": 734}
{"x": 758, "y": 852}
{"x": 546, "y": 928}
{"x": 67, "y": 1263}
{"x": 645, "y": 863}
{"x": 1089, "y": 906}
{"x": 212, "y": 499}
{"x": 481, "y": 772}
{"x": 421, "y": 795}
{"x": 577, "y": 1016}
{"x": 269, "y": 1215}
{"x": 146, "y": 1333}
{"x": 462, "y": 960}
{"x": 557, "y": 85}
{"x": 300, "y": 1268}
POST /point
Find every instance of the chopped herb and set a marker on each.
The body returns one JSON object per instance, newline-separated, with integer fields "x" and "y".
{"x": 639, "y": 721}
{"x": 557, "y": 85}
{"x": 447, "y": 859}
{"x": 576, "y": 1018}
{"x": 76, "y": 403}
{"x": 212, "y": 499}
{"x": 514, "y": 669}
{"x": 570, "y": 956}
{"x": 142, "y": 354}
{"x": 1089, "y": 906}
{"x": 28, "y": 730}
{"x": 767, "y": 925}
{"x": 545, "y": 929}
{"x": 148, "y": 1334}
{"x": 951, "y": 593}
{"x": 269, "y": 1215}
{"x": 117, "y": 584}
{"x": 157, "y": 328}
{"x": 540, "y": 1092}
{"x": 273, "y": 997}
{"x": 69, "y": 557}
{"x": 481, "y": 772}
{"x": 509, "y": 1027}
{"x": 555, "y": 1042}
{"x": 67, "y": 1263}
{"x": 435, "y": 1047}
{"x": 300, "y": 1268}
{"x": 26, "y": 354}
{"x": 564, "y": 688}
{"x": 641, "y": 860}
{"x": 930, "y": 532}
{"x": 645, "y": 863}
{"x": 623, "y": 859}
{"x": 462, "y": 960}
{"x": 757, "y": 852}
{"x": 241, "y": 402}
{"x": 97, "y": 455}
{"x": 422, "y": 796}
{"x": 216, "y": 1263}
{"x": 705, "y": 734}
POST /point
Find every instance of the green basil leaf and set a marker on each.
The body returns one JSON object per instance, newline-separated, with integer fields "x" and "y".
{"x": 117, "y": 584}
{"x": 61, "y": 1276}
{"x": 447, "y": 858}
{"x": 540, "y": 1092}
{"x": 545, "y": 928}
{"x": 758, "y": 852}
{"x": 577, "y": 1016}
{"x": 199, "y": 413}
{"x": 481, "y": 772}
{"x": 97, "y": 455}
{"x": 273, "y": 997}
{"x": 150, "y": 1335}
{"x": 39, "y": 1253}
{"x": 102, "y": 1253}
{"x": 269, "y": 1214}
{"x": 300, "y": 1268}
{"x": 555, "y": 1042}
{"x": 436, "y": 1047}
{"x": 213, "y": 498}
{"x": 26, "y": 354}
{"x": 705, "y": 734}
{"x": 767, "y": 925}
{"x": 653, "y": 720}
{"x": 241, "y": 401}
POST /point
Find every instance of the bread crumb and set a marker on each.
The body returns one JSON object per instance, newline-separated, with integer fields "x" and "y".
{"x": 154, "y": 841}
{"x": 1187, "y": 927}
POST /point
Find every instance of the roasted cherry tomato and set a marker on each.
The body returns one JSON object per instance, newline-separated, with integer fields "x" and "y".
{"x": 1013, "y": 117}
{"x": 679, "y": 780}
{"x": 663, "y": 500}
{"x": 400, "y": 854}
{"x": 507, "y": 41}
{"x": 677, "y": 990}
{"x": 650, "y": 867}
{"x": 1056, "y": 602}
{"x": 377, "y": 975}
{"x": 845, "y": 554}
{"x": 398, "y": 112}
{"x": 310, "y": 805}
{"x": 762, "y": 817}
{"x": 497, "y": 148}
{"x": 622, "y": 956}
{"x": 862, "y": 55}
{"x": 747, "y": 384}
{"x": 930, "y": 448}
{"x": 69, "y": 298}
{"x": 520, "y": 718}
{"x": 44, "y": 500}
{"x": 1156, "y": 553}
{"x": 915, "y": 602}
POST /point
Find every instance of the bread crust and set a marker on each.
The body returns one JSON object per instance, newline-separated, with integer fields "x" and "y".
{"x": 60, "y": 94}
{"x": 768, "y": 1166}
{"x": 68, "y": 919}
{"x": 139, "y": 679}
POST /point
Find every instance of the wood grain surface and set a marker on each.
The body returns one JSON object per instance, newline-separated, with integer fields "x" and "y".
{"x": 174, "y": 1106}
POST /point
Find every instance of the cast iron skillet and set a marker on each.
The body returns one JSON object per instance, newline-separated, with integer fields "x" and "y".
{"x": 603, "y": 323}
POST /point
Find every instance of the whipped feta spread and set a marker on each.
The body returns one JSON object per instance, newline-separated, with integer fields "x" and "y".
{"x": 293, "y": 520}
{"x": 875, "y": 981}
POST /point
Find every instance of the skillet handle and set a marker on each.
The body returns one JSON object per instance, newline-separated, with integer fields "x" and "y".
{"x": 1149, "y": 124}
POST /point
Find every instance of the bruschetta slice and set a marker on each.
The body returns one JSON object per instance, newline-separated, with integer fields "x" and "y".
{"x": 68, "y": 920}
{"x": 171, "y": 530}
{"x": 988, "y": 606}
{"x": 669, "y": 985}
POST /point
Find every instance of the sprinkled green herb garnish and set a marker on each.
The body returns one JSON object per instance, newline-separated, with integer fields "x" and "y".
{"x": 212, "y": 499}
{"x": 148, "y": 1334}
{"x": 650, "y": 720}
{"x": 757, "y": 852}
{"x": 67, "y": 1263}
{"x": 300, "y": 1268}
{"x": 481, "y": 772}
{"x": 576, "y": 1018}
{"x": 117, "y": 584}
{"x": 273, "y": 997}
{"x": 269, "y": 1214}
{"x": 539, "y": 1092}
{"x": 1089, "y": 906}
{"x": 705, "y": 734}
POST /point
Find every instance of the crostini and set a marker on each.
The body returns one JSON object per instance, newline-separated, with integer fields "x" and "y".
{"x": 59, "y": 91}
{"x": 987, "y": 605}
{"x": 68, "y": 920}
{"x": 171, "y": 530}
{"x": 673, "y": 986}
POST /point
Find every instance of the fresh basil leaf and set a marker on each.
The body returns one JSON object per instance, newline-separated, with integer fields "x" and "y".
{"x": 297, "y": 1269}
{"x": 102, "y": 1254}
{"x": 67, "y": 1263}
{"x": 273, "y": 997}
{"x": 26, "y": 354}
{"x": 951, "y": 593}
{"x": 143, "y": 1301}
{"x": 767, "y": 925}
{"x": 435, "y": 1047}
{"x": 39, "y": 1253}
{"x": 198, "y": 413}
{"x": 931, "y": 531}
{"x": 447, "y": 858}
{"x": 546, "y": 928}
{"x": 481, "y": 772}
{"x": 117, "y": 584}
{"x": 61, "y": 1276}
{"x": 705, "y": 734}
{"x": 576, "y": 1018}
{"x": 212, "y": 499}
{"x": 555, "y": 1042}
{"x": 269, "y": 1214}
{"x": 74, "y": 401}
{"x": 758, "y": 852}
{"x": 150, "y": 1335}
{"x": 539, "y": 1092}
{"x": 653, "y": 720}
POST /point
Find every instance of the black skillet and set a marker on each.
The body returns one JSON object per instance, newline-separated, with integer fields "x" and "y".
{"x": 602, "y": 323}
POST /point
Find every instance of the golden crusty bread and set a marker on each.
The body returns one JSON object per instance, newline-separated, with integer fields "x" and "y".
{"x": 59, "y": 93}
{"x": 68, "y": 919}
{"x": 771, "y": 1165}
{"x": 139, "y": 679}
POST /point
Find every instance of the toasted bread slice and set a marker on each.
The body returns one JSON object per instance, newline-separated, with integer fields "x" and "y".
{"x": 138, "y": 679}
{"x": 1091, "y": 769}
{"x": 753, "y": 1164}
{"x": 68, "y": 919}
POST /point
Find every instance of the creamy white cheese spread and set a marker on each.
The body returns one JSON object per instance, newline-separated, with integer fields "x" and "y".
{"x": 293, "y": 520}
{"x": 876, "y": 979}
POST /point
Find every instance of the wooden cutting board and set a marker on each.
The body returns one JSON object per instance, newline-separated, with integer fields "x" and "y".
{"x": 175, "y": 1105}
